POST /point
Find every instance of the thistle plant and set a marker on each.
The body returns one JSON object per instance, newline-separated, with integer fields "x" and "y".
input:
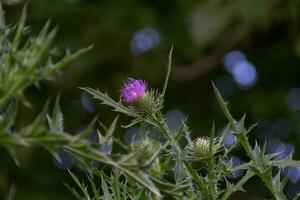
{"x": 174, "y": 166}
{"x": 200, "y": 168}
{"x": 24, "y": 62}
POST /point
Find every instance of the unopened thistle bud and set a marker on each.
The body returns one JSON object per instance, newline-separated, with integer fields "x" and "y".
{"x": 156, "y": 169}
{"x": 201, "y": 148}
{"x": 146, "y": 148}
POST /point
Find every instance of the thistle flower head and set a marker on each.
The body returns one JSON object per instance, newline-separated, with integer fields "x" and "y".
{"x": 133, "y": 90}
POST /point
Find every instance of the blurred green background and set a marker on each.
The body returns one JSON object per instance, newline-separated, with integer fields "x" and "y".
{"x": 249, "y": 48}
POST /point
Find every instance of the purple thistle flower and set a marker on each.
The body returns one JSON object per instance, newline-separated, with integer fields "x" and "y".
{"x": 133, "y": 90}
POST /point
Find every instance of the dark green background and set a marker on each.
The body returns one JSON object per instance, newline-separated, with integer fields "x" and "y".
{"x": 267, "y": 32}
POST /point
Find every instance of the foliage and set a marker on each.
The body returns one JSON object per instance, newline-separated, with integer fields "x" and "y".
{"x": 181, "y": 169}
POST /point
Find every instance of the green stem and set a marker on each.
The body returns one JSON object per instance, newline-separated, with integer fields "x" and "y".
{"x": 161, "y": 124}
{"x": 278, "y": 194}
{"x": 200, "y": 182}
{"x": 211, "y": 164}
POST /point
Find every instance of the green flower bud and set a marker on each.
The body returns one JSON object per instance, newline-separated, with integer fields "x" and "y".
{"x": 146, "y": 149}
{"x": 199, "y": 149}
{"x": 150, "y": 103}
{"x": 155, "y": 170}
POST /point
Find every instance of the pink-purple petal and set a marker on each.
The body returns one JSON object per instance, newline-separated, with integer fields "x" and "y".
{"x": 133, "y": 90}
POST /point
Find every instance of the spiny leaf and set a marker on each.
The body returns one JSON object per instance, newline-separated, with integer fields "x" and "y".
{"x": 12, "y": 152}
{"x": 106, "y": 193}
{"x": 238, "y": 186}
{"x": 2, "y": 17}
{"x": 224, "y": 108}
{"x": 168, "y": 72}
{"x": 73, "y": 191}
{"x": 95, "y": 190}
{"x": 199, "y": 181}
{"x": 285, "y": 163}
{"x": 212, "y": 141}
{"x": 38, "y": 124}
{"x": 20, "y": 28}
{"x": 10, "y": 115}
{"x": 56, "y": 122}
{"x": 12, "y": 192}
{"x": 50, "y": 69}
{"x": 173, "y": 190}
{"x": 132, "y": 123}
{"x": 143, "y": 179}
{"x": 101, "y": 157}
{"x": 106, "y": 100}
{"x": 85, "y": 133}
{"x": 110, "y": 131}
{"x": 80, "y": 185}
{"x": 116, "y": 185}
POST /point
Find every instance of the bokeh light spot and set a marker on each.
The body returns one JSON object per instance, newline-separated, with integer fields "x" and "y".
{"x": 232, "y": 58}
{"x": 229, "y": 139}
{"x": 243, "y": 71}
{"x": 144, "y": 40}
{"x": 86, "y": 104}
{"x": 63, "y": 160}
{"x": 244, "y": 74}
{"x": 293, "y": 174}
{"x": 174, "y": 119}
{"x": 132, "y": 134}
{"x": 284, "y": 150}
{"x": 293, "y": 99}
{"x": 234, "y": 161}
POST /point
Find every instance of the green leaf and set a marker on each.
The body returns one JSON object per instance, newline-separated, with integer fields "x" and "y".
{"x": 95, "y": 190}
{"x": 101, "y": 157}
{"x": 9, "y": 116}
{"x": 50, "y": 69}
{"x": 37, "y": 126}
{"x": 110, "y": 131}
{"x": 238, "y": 186}
{"x": 199, "y": 181}
{"x": 285, "y": 163}
{"x": 143, "y": 179}
{"x": 86, "y": 131}
{"x": 81, "y": 186}
{"x": 19, "y": 32}
{"x": 168, "y": 72}
{"x": 2, "y": 17}
{"x": 73, "y": 191}
{"x": 12, "y": 192}
{"x": 106, "y": 193}
{"x": 12, "y": 152}
{"x": 212, "y": 142}
{"x": 56, "y": 122}
{"x": 132, "y": 123}
{"x": 224, "y": 108}
{"x": 106, "y": 100}
{"x": 175, "y": 191}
